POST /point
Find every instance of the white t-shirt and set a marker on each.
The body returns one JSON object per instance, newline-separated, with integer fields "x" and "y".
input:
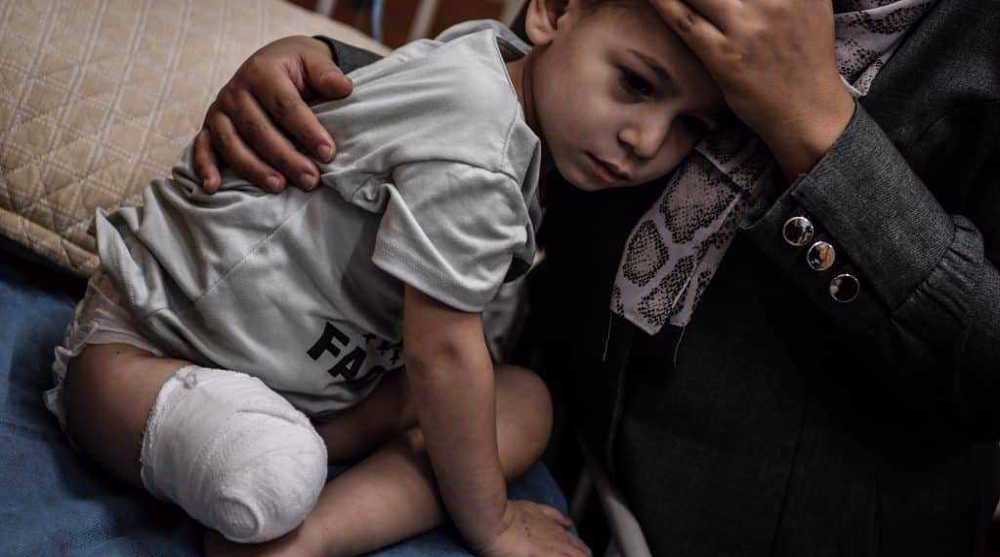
{"x": 434, "y": 185}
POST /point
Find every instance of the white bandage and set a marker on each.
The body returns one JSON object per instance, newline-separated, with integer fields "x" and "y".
{"x": 232, "y": 453}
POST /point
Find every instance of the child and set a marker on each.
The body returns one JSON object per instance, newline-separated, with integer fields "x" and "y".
{"x": 359, "y": 304}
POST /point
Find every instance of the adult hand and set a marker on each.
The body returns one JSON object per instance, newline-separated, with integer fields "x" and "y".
{"x": 532, "y": 529}
{"x": 775, "y": 61}
{"x": 266, "y": 99}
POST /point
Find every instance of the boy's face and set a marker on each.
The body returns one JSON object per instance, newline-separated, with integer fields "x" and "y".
{"x": 620, "y": 100}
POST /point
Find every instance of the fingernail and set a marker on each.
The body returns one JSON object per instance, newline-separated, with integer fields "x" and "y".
{"x": 325, "y": 151}
{"x": 273, "y": 182}
{"x": 308, "y": 181}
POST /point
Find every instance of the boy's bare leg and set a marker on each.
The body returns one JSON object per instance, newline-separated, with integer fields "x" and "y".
{"x": 391, "y": 495}
{"x": 109, "y": 392}
{"x": 388, "y": 497}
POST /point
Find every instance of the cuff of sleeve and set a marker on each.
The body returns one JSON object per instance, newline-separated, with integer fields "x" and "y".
{"x": 864, "y": 199}
{"x": 939, "y": 308}
{"x": 332, "y": 45}
{"x": 400, "y": 264}
{"x": 348, "y": 58}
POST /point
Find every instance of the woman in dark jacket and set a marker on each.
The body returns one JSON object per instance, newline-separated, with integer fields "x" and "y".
{"x": 849, "y": 410}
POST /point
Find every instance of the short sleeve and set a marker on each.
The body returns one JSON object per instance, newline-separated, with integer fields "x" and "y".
{"x": 451, "y": 230}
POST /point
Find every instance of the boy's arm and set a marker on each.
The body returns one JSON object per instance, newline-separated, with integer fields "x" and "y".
{"x": 451, "y": 381}
{"x": 451, "y": 377}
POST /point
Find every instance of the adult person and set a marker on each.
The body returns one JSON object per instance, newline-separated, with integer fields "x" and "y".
{"x": 848, "y": 410}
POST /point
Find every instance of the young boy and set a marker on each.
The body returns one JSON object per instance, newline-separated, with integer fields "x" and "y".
{"x": 359, "y": 304}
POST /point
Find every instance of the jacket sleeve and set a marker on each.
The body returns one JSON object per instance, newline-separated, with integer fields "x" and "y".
{"x": 927, "y": 313}
{"x": 347, "y": 57}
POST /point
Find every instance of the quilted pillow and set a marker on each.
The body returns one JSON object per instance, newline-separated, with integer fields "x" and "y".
{"x": 97, "y": 97}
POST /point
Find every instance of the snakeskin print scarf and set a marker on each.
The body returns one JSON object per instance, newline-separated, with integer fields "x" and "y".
{"x": 675, "y": 249}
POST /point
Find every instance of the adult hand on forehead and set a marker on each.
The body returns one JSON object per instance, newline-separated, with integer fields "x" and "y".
{"x": 246, "y": 126}
{"x": 775, "y": 61}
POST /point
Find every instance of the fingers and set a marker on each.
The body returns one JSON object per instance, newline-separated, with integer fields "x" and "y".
{"x": 573, "y": 547}
{"x": 238, "y": 156}
{"x": 286, "y": 107}
{"x": 578, "y": 544}
{"x": 556, "y": 515}
{"x": 324, "y": 77}
{"x": 720, "y": 13}
{"x": 205, "y": 164}
{"x": 249, "y": 124}
{"x": 701, "y": 35}
{"x": 538, "y": 529}
{"x": 256, "y": 128}
{"x": 571, "y": 537}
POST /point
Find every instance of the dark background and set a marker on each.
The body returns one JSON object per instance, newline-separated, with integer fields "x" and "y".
{"x": 399, "y": 15}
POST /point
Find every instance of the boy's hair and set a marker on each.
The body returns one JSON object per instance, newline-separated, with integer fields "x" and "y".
{"x": 591, "y": 7}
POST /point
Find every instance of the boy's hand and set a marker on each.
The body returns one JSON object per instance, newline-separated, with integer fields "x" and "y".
{"x": 775, "y": 61}
{"x": 271, "y": 87}
{"x": 532, "y": 529}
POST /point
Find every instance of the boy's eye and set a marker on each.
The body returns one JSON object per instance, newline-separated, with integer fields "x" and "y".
{"x": 635, "y": 84}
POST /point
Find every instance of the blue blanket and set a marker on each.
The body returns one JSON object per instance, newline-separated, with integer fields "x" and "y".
{"x": 55, "y": 502}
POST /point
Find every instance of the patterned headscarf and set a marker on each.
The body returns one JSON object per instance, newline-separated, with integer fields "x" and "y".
{"x": 675, "y": 249}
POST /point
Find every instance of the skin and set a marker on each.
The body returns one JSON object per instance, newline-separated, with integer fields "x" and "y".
{"x": 749, "y": 47}
{"x": 273, "y": 85}
{"x": 633, "y": 103}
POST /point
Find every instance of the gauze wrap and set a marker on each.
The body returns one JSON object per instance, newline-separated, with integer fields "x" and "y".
{"x": 232, "y": 453}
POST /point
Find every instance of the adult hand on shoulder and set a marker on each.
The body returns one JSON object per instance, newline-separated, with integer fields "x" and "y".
{"x": 775, "y": 61}
{"x": 247, "y": 124}
{"x": 534, "y": 529}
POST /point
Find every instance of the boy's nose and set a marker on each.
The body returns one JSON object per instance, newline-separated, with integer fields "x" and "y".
{"x": 645, "y": 138}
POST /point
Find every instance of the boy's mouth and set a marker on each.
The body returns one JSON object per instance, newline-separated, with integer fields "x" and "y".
{"x": 608, "y": 172}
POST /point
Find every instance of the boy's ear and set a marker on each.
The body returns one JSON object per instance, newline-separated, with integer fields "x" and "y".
{"x": 542, "y": 19}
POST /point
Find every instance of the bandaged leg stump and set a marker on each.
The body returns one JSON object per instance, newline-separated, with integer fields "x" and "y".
{"x": 234, "y": 454}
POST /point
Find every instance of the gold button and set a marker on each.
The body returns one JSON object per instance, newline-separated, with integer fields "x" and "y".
{"x": 844, "y": 288}
{"x": 798, "y": 231}
{"x": 821, "y": 256}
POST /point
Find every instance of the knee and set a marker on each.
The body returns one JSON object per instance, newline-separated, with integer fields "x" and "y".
{"x": 524, "y": 399}
{"x": 233, "y": 454}
{"x": 259, "y": 494}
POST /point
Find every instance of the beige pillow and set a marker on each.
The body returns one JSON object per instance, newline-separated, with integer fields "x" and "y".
{"x": 97, "y": 97}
